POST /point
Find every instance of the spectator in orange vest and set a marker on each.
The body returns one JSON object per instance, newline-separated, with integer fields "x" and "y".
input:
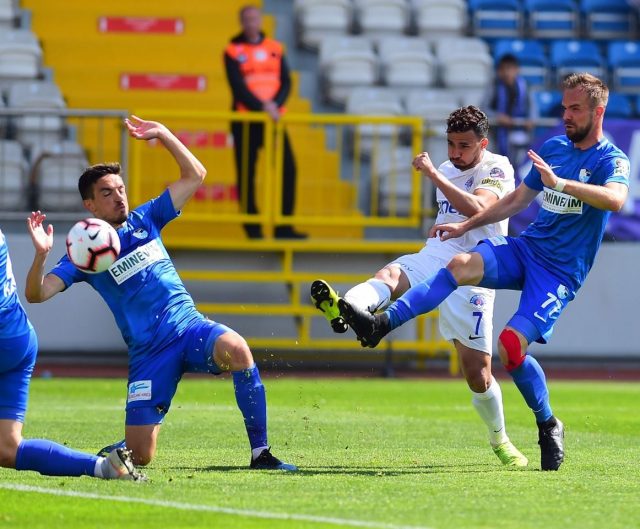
{"x": 258, "y": 75}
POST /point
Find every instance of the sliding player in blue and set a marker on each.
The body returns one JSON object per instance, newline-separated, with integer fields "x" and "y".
{"x": 583, "y": 178}
{"x": 18, "y": 351}
{"x": 157, "y": 317}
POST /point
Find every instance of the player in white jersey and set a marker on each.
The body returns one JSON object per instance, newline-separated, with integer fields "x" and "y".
{"x": 470, "y": 181}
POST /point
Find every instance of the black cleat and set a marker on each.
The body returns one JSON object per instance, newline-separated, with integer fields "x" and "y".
{"x": 369, "y": 328}
{"x": 104, "y": 452}
{"x": 267, "y": 461}
{"x": 326, "y": 301}
{"x": 551, "y": 441}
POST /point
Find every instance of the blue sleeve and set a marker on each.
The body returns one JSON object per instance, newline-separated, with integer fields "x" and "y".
{"x": 66, "y": 271}
{"x": 158, "y": 212}
{"x": 617, "y": 169}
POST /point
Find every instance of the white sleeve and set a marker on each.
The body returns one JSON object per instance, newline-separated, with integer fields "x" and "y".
{"x": 497, "y": 177}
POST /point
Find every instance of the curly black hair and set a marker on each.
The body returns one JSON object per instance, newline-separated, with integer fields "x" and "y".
{"x": 468, "y": 118}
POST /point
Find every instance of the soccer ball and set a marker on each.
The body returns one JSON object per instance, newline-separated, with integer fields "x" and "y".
{"x": 92, "y": 245}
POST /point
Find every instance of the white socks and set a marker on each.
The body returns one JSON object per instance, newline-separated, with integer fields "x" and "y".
{"x": 255, "y": 452}
{"x": 489, "y": 407}
{"x": 370, "y": 295}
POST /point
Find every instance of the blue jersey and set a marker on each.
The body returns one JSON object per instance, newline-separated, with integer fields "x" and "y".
{"x": 566, "y": 234}
{"x": 13, "y": 319}
{"x": 142, "y": 288}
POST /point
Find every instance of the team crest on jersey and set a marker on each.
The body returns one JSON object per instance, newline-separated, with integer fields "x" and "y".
{"x": 621, "y": 168}
{"x": 139, "y": 390}
{"x": 469, "y": 183}
{"x": 141, "y": 234}
{"x": 584, "y": 175}
{"x": 562, "y": 292}
{"x": 260, "y": 55}
{"x": 478, "y": 301}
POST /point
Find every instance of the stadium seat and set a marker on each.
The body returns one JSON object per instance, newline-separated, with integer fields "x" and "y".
{"x": 319, "y": 19}
{"x": 381, "y": 18}
{"x": 569, "y": 56}
{"x": 440, "y": 18}
{"x": 55, "y": 171}
{"x": 347, "y": 63}
{"x": 623, "y": 58}
{"x": 20, "y": 55}
{"x": 375, "y": 101}
{"x": 465, "y": 67}
{"x": 8, "y": 14}
{"x": 534, "y": 66}
{"x": 552, "y": 19}
{"x": 434, "y": 106}
{"x": 37, "y": 129}
{"x": 407, "y": 63}
{"x": 496, "y": 18}
{"x": 608, "y": 19}
{"x": 619, "y": 106}
{"x": 546, "y": 104}
{"x": 12, "y": 176}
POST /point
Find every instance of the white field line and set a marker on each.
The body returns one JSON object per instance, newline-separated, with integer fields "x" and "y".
{"x": 210, "y": 508}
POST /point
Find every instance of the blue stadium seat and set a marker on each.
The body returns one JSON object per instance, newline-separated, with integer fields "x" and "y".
{"x": 534, "y": 66}
{"x": 552, "y": 19}
{"x": 569, "y": 56}
{"x": 624, "y": 60}
{"x": 619, "y": 106}
{"x": 546, "y": 104}
{"x": 608, "y": 19}
{"x": 496, "y": 18}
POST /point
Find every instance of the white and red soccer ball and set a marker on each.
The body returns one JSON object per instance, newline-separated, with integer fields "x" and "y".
{"x": 92, "y": 245}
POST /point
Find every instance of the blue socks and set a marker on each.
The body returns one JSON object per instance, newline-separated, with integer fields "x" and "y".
{"x": 422, "y": 298}
{"x": 530, "y": 380}
{"x": 251, "y": 399}
{"x": 53, "y": 459}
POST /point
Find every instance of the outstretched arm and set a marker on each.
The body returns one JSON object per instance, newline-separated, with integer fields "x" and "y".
{"x": 39, "y": 287}
{"x": 504, "y": 208}
{"x": 192, "y": 172}
{"x": 610, "y": 197}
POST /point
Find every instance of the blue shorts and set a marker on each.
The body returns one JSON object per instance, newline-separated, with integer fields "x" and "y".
{"x": 17, "y": 358}
{"x": 154, "y": 377}
{"x": 509, "y": 264}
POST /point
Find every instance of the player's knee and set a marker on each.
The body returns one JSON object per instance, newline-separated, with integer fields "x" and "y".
{"x": 511, "y": 350}
{"x": 232, "y": 353}
{"x": 462, "y": 269}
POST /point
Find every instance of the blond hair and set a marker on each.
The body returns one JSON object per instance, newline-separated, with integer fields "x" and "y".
{"x": 595, "y": 88}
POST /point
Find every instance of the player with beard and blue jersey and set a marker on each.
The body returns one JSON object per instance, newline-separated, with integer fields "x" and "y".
{"x": 165, "y": 334}
{"x": 583, "y": 178}
{"x": 18, "y": 351}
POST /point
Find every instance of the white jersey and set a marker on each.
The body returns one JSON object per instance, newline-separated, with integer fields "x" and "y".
{"x": 495, "y": 173}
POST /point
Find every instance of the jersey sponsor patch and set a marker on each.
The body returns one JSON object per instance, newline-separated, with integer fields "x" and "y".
{"x": 621, "y": 168}
{"x": 496, "y": 172}
{"x": 561, "y": 203}
{"x": 138, "y": 260}
{"x": 491, "y": 182}
{"x": 139, "y": 390}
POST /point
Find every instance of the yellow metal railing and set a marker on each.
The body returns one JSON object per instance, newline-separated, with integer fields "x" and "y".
{"x": 339, "y": 183}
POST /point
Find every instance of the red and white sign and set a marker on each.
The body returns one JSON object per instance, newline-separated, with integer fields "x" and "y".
{"x": 172, "y": 26}
{"x": 150, "y": 81}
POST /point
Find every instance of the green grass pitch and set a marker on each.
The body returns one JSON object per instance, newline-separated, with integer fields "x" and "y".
{"x": 373, "y": 453}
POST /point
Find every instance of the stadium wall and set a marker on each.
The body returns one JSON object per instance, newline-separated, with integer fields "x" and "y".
{"x": 598, "y": 324}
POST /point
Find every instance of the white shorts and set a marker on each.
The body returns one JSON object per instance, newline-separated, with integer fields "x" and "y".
{"x": 467, "y": 314}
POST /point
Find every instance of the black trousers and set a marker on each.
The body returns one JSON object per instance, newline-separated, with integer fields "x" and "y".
{"x": 255, "y": 140}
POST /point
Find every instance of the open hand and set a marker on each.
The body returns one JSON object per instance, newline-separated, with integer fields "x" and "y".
{"x": 141, "y": 129}
{"x": 42, "y": 240}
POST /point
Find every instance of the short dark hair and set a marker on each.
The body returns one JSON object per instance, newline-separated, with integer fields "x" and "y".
{"x": 468, "y": 118}
{"x": 595, "y": 88}
{"x": 508, "y": 59}
{"x": 92, "y": 174}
